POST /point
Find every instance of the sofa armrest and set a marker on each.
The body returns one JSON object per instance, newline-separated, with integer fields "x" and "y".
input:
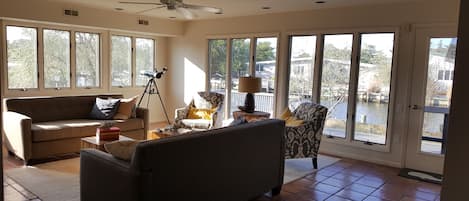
{"x": 103, "y": 177}
{"x": 144, "y": 114}
{"x": 17, "y": 131}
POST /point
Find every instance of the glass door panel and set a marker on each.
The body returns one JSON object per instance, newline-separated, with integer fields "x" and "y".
{"x": 373, "y": 91}
{"x": 302, "y": 57}
{"x": 240, "y": 62}
{"x": 217, "y": 65}
{"x": 335, "y": 78}
{"x": 441, "y": 58}
{"x": 266, "y": 62}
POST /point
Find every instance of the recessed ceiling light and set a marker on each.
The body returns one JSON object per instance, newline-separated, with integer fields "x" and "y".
{"x": 219, "y": 13}
{"x": 266, "y": 7}
{"x": 118, "y": 9}
{"x": 319, "y": 2}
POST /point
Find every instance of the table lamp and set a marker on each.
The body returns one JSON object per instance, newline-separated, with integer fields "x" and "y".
{"x": 249, "y": 85}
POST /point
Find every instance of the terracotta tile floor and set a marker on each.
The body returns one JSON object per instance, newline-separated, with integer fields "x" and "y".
{"x": 348, "y": 180}
{"x": 353, "y": 180}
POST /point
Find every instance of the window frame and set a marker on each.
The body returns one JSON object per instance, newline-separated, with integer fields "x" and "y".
{"x": 353, "y": 82}
{"x": 100, "y": 57}
{"x": 72, "y": 54}
{"x": 40, "y": 27}
{"x": 133, "y": 38}
{"x": 5, "y": 56}
{"x": 253, "y": 42}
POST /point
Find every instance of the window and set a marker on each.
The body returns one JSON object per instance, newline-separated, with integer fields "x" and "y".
{"x": 374, "y": 82}
{"x": 121, "y": 67}
{"x": 22, "y": 57}
{"x": 302, "y": 56}
{"x": 249, "y": 56}
{"x": 56, "y": 58}
{"x": 87, "y": 59}
{"x": 240, "y": 64}
{"x": 217, "y": 65}
{"x": 266, "y": 62}
{"x": 145, "y": 57}
{"x": 335, "y": 79}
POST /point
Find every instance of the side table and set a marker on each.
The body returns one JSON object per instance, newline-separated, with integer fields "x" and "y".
{"x": 256, "y": 115}
{"x": 92, "y": 142}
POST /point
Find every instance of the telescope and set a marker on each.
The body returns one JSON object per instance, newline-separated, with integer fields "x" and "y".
{"x": 155, "y": 74}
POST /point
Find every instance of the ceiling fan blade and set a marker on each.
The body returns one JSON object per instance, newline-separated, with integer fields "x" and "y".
{"x": 186, "y": 13}
{"x": 142, "y": 3}
{"x": 203, "y": 8}
{"x": 146, "y": 10}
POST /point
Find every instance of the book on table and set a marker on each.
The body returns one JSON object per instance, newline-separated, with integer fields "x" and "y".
{"x": 107, "y": 134}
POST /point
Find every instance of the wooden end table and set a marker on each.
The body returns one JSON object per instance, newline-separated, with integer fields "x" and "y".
{"x": 92, "y": 142}
{"x": 256, "y": 115}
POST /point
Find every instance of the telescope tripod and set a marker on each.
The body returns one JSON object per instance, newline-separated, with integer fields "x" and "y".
{"x": 152, "y": 88}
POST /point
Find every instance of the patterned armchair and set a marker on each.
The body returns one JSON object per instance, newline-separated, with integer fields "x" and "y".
{"x": 303, "y": 141}
{"x": 205, "y": 100}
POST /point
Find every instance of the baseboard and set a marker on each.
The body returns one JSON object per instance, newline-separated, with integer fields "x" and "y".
{"x": 362, "y": 158}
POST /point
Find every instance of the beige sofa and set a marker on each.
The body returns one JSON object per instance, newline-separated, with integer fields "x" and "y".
{"x": 41, "y": 127}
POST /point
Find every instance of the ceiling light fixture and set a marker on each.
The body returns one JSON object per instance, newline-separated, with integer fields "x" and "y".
{"x": 266, "y": 7}
{"x": 320, "y": 2}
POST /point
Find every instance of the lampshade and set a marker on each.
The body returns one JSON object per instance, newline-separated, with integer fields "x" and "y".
{"x": 249, "y": 84}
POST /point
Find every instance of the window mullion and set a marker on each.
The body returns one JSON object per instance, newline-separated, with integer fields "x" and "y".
{"x": 73, "y": 60}
{"x": 133, "y": 75}
{"x": 317, "y": 68}
{"x": 40, "y": 58}
{"x": 228, "y": 77}
{"x": 252, "y": 57}
{"x": 353, "y": 86}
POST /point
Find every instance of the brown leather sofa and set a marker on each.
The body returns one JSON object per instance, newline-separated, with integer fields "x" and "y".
{"x": 41, "y": 127}
{"x": 233, "y": 163}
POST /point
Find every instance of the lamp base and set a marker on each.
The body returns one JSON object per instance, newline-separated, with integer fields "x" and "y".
{"x": 248, "y": 104}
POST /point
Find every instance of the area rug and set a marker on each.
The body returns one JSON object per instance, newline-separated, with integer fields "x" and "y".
{"x": 299, "y": 168}
{"x": 53, "y": 181}
{"x": 59, "y": 180}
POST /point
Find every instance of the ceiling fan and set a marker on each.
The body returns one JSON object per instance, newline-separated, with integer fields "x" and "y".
{"x": 177, "y": 5}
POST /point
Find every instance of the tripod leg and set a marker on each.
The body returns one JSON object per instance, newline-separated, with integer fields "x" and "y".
{"x": 161, "y": 101}
{"x": 144, "y": 92}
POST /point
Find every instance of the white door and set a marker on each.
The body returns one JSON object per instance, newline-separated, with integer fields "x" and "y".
{"x": 432, "y": 81}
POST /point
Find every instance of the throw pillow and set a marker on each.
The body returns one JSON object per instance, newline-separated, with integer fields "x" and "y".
{"x": 126, "y": 107}
{"x": 104, "y": 108}
{"x": 200, "y": 113}
{"x": 290, "y": 120}
{"x": 122, "y": 149}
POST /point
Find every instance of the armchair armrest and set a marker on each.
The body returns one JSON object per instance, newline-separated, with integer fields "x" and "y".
{"x": 144, "y": 114}
{"x": 17, "y": 131}
{"x": 103, "y": 177}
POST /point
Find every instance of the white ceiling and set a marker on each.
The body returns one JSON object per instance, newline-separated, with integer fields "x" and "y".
{"x": 231, "y": 8}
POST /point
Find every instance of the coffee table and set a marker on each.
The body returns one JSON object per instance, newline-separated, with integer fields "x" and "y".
{"x": 94, "y": 143}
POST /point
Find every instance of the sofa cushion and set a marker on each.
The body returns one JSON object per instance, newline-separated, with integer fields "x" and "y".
{"x": 197, "y": 123}
{"x": 77, "y": 128}
{"x": 104, "y": 108}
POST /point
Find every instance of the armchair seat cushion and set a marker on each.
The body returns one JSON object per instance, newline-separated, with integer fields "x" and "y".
{"x": 197, "y": 123}
{"x": 76, "y": 128}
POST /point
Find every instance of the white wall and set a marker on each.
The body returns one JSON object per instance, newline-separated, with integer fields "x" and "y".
{"x": 189, "y": 54}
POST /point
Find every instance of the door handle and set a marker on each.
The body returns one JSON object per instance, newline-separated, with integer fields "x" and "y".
{"x": 414, "y": 107}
